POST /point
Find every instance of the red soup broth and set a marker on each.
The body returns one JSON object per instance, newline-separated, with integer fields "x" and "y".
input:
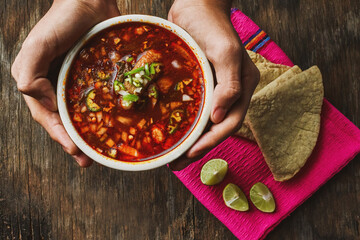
{"x": 134, "y": 91}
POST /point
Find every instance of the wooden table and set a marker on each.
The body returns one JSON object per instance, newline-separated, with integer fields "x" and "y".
{"x": 45, "y": 195}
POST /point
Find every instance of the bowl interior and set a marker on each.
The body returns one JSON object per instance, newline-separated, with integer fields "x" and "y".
{"x": 172, "y": 153}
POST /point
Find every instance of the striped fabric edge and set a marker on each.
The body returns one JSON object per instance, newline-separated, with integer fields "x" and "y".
{"x": 256, "y": 41}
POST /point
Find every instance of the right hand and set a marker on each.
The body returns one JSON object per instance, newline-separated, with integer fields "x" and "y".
{"x": 208, "y": 22}
{"x": 64, "y": 23}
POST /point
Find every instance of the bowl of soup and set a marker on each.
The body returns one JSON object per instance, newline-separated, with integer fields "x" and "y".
{"x": 135, "y": 92}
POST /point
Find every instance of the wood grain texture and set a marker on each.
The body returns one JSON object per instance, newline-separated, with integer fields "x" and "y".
{"x": 44, "y": 195}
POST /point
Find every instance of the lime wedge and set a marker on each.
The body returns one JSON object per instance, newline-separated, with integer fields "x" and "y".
{"x": 234, "y": 198}
{"x": 262, "y": 198}
{"x": 213, "y": 172}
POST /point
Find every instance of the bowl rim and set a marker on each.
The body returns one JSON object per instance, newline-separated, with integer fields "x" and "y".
{"x": 191, "y": 137}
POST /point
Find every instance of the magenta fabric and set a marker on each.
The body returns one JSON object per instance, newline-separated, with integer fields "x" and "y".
{"x": 338, "y": 143}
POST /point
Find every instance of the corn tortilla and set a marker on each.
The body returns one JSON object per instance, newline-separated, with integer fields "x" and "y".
{"x": 284, "y": 118}
{"x": 268, "y": 72}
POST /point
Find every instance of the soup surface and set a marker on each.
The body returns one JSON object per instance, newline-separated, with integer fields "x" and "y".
{"x": 134, "y": 91}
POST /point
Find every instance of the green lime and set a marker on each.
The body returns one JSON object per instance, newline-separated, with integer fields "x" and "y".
{"x": 234, "y": 198}
{"x": 213, "y": 172}
{"x": 262, "y": 198}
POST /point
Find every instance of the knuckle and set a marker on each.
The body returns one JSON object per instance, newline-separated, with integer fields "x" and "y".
{"x": 30, "y": 42}
{"x": 172, "y": 16}
{"x": 228, "y": 47}
{"x": 24, "y": 87}
{"x": 14, "y": 69}
{"x": 233, "y": 88}
{"x": 72, "y": 150}
{"x": 233, "y": 49}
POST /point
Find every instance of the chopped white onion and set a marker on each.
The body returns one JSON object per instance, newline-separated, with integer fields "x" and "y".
{"x": 186, "y": 98}
{"x": 126, "y": 104}
{"x": 175, "y": 64}
{"x": 123, "y": 92}
{"x": 137, "y": 75}
{"x": 142, "y": 73}
{"x": 112, "y": 55}
{"x": 137, "y": 90}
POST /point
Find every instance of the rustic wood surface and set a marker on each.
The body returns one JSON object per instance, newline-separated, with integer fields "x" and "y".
{"x": 45, "y": 195}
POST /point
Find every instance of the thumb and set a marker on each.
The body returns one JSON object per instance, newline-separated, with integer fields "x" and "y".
{"x": 227, "y": 90}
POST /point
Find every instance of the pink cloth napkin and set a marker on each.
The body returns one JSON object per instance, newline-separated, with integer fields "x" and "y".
{"x": 338, "y": 143}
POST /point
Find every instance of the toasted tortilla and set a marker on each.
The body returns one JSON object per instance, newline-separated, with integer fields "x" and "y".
{"x": 268, "y": 72}
{"x": 245, "y": 131}
{"x": 284, "y": 118}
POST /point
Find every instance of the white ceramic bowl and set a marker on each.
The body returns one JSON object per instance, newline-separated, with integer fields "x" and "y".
{"x": 167, "y": 156}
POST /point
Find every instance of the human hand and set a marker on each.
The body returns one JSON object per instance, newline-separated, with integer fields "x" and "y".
{"x": 208, "y": 22}
{"x": 52, "y": 36}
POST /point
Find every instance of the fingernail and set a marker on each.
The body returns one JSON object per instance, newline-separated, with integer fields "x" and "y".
{"x": 48, "y": 103}
{"x": 77, "y": 159}
{"x": 193, "y": 154}
{"x": 82, "y": 160}
{"x": 219, "y": 114}
{"x": 197, "y": 151}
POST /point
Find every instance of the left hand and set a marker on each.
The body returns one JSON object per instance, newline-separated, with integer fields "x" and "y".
{"x": 52, "y": 36}
{"x": 208, "y": 22}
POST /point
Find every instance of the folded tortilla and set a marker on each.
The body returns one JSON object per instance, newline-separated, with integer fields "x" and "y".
{"x": 284, "y": 117}
{"x": 268, "y": 72}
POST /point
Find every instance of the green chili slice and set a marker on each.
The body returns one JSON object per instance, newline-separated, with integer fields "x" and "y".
{"x": 152, "y": 69}
{"x": 136, "y": 83}
{"x": 91, "y": 105}
{"x": 155, "y": 68}
{"x": 136, "y": 70}
{"x": 118, "y": 86}
{"x": 130, "y": 98}
{"x": 177, "y": 115}
{"x": 147, "y": 77}
{"x": 146, "y": 68}
{"x": 153, "y": 92}
{"x": 172, "y": 128}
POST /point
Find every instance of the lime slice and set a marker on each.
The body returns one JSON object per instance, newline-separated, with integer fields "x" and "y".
{"x": 262, "y": 198}
{"x": 213, "y": 172}
{"x": 234, "y": 198}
